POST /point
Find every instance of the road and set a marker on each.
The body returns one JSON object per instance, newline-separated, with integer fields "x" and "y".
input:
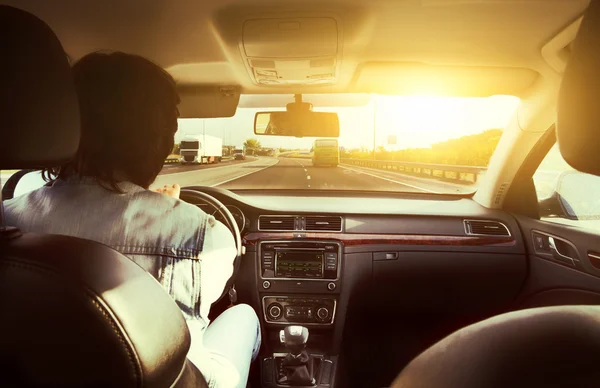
{"x": 291, "y": 173}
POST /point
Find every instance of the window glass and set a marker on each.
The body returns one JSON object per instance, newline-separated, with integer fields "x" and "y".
{"x": 566, "y": 195}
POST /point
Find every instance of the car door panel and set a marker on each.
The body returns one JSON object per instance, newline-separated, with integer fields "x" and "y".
{"x": 552, "y": 278}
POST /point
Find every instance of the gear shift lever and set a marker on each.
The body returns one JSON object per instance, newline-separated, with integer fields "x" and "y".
{"x": 294, "y": 338}
{"x": 298, "y": 366}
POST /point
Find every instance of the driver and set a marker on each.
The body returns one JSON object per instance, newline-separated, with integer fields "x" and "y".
{"x": 128, "y": 121}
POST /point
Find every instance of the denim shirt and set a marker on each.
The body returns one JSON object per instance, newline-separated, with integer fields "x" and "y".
{"x": 172, "y": 240}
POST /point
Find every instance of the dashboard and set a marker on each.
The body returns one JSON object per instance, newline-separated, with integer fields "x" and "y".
{"x": 359, "y": 266}
{"x": 405, "y": 250}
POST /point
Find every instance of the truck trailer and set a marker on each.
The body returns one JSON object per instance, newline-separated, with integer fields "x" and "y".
{"x": 200, "y": 149}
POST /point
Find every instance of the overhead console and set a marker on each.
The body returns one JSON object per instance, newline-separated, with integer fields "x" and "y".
{"x": 292, "y": 51}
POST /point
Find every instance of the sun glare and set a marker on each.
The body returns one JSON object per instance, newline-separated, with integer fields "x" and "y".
{"x": 424, "y": 120}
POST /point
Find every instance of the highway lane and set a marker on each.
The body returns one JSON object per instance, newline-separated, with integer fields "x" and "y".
{"x": 177, "y": 167}
{"x": 297, "y": 174}
{"x": 289, "y": 173}
{"x": 300, "y": 174}
{"x": 215, "y": 175}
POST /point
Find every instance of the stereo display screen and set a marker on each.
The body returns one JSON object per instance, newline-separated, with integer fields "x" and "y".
{"x": 297, "y": 264}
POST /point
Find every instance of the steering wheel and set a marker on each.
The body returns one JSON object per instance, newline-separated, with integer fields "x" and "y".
{"x": 189, "y": 195}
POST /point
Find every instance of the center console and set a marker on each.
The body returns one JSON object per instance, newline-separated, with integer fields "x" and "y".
{"x": 305, "y": 310}
{"x": 299, "y": 286}
{"x": 295, "y": 260}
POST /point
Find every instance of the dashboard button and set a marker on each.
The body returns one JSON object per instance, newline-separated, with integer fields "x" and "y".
{"x": 331, "y": 286}
{"x": 322, "y": 314}
{"x": 377, "y": 256}
{"x": 266, "y": 284}
{"x": 274, "y": 311}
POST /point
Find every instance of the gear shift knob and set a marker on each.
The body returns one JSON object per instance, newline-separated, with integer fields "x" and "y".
{"x": 294, "y": 338}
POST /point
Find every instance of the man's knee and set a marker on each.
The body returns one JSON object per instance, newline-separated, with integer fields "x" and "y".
{"x": 245, "y": 313}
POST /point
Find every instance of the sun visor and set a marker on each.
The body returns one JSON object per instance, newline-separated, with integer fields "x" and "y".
{"x": 459, "y": 81}
{"x": 208, "y": 102}
{"x": 578, "y": 120}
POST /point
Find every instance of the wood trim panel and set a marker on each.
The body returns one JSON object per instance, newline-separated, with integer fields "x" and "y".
{"x": 351, "y": 239}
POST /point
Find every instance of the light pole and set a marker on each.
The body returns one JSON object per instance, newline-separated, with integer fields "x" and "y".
{"x": 374, "y": 124}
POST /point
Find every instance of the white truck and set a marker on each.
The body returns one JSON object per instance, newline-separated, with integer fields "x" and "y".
{"x": 200, "y": 149}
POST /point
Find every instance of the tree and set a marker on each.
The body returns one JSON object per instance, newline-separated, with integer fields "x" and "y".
{"x": 470, "y": 150}
{"x": 252, "y": 143}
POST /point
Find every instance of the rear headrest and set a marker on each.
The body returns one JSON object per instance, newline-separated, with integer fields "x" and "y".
{"x": 578, "y": 121}
{"x": 39, "y": 112}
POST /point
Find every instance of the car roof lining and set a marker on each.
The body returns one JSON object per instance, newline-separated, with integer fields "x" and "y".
{"x": 198, "y": 41}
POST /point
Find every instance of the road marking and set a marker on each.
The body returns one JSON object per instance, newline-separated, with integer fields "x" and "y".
{"x": 241, "y": 176}
{"x": 308, "y": 177}
{"x": 391, "y": 180}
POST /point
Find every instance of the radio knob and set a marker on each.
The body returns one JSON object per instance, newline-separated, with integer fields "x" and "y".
{"x": 322, "y": 314}
{"x": 274, "y": 311}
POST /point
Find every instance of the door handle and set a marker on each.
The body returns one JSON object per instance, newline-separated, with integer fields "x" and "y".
{"x": 556, "y": 253}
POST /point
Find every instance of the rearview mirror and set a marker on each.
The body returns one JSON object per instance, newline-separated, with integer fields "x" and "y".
{"x": 297, "y": 123}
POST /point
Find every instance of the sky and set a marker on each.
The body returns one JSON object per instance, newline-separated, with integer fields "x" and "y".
{"x": 416, "y": 121}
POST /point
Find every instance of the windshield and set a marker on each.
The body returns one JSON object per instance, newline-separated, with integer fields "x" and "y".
{"x": 393, "y": 143}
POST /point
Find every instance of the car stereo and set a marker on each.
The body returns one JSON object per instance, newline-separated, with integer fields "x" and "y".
{"x": 299, "y": 260}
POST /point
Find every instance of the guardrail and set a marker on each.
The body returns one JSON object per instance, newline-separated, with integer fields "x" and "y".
{"x": 458, "y": 174}
{"x": 176, "y": 160}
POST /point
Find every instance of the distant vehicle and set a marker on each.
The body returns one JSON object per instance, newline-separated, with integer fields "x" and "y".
{"x": 239, "y": 154}
{"x": 201, "y": 149}
{"x": 326, "y": 152}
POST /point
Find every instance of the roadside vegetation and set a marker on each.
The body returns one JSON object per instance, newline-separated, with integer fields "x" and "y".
{"x": 473, "y": 150}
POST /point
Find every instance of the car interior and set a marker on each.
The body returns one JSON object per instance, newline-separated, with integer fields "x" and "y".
{"x": 497, "y": 287}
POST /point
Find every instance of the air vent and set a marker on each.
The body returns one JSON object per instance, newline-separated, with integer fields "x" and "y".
{"x": 486, "y": 228}
{"x": 324, "y": 223}
{"x": 276, "y": 223}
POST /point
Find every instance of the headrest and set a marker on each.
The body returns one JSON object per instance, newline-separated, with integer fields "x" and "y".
{"x": 39, "y": 112}
{"x": 76, "y": 313}
{"x": 578, "y": 121}
{"x": 548, "y": 347}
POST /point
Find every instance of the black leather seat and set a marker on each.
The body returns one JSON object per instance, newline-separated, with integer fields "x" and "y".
{"x": 544, "y": 347}
{"x": 73, "y": 313}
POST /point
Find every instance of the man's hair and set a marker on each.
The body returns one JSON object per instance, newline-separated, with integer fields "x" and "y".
{"x": 128, "y": 108}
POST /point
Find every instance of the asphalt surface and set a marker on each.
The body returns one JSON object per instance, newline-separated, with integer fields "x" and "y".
{"x": 295, "y": 173}
{"x": 176, "y": 167}
{"x": 291, "y": 173}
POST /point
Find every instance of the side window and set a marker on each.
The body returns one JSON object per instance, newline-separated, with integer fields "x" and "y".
{"x": 566, "y": 195}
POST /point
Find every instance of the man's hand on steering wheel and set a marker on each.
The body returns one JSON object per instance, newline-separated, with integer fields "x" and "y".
{"x": 171, "y": 191}
{"x": 195, "y": 196}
